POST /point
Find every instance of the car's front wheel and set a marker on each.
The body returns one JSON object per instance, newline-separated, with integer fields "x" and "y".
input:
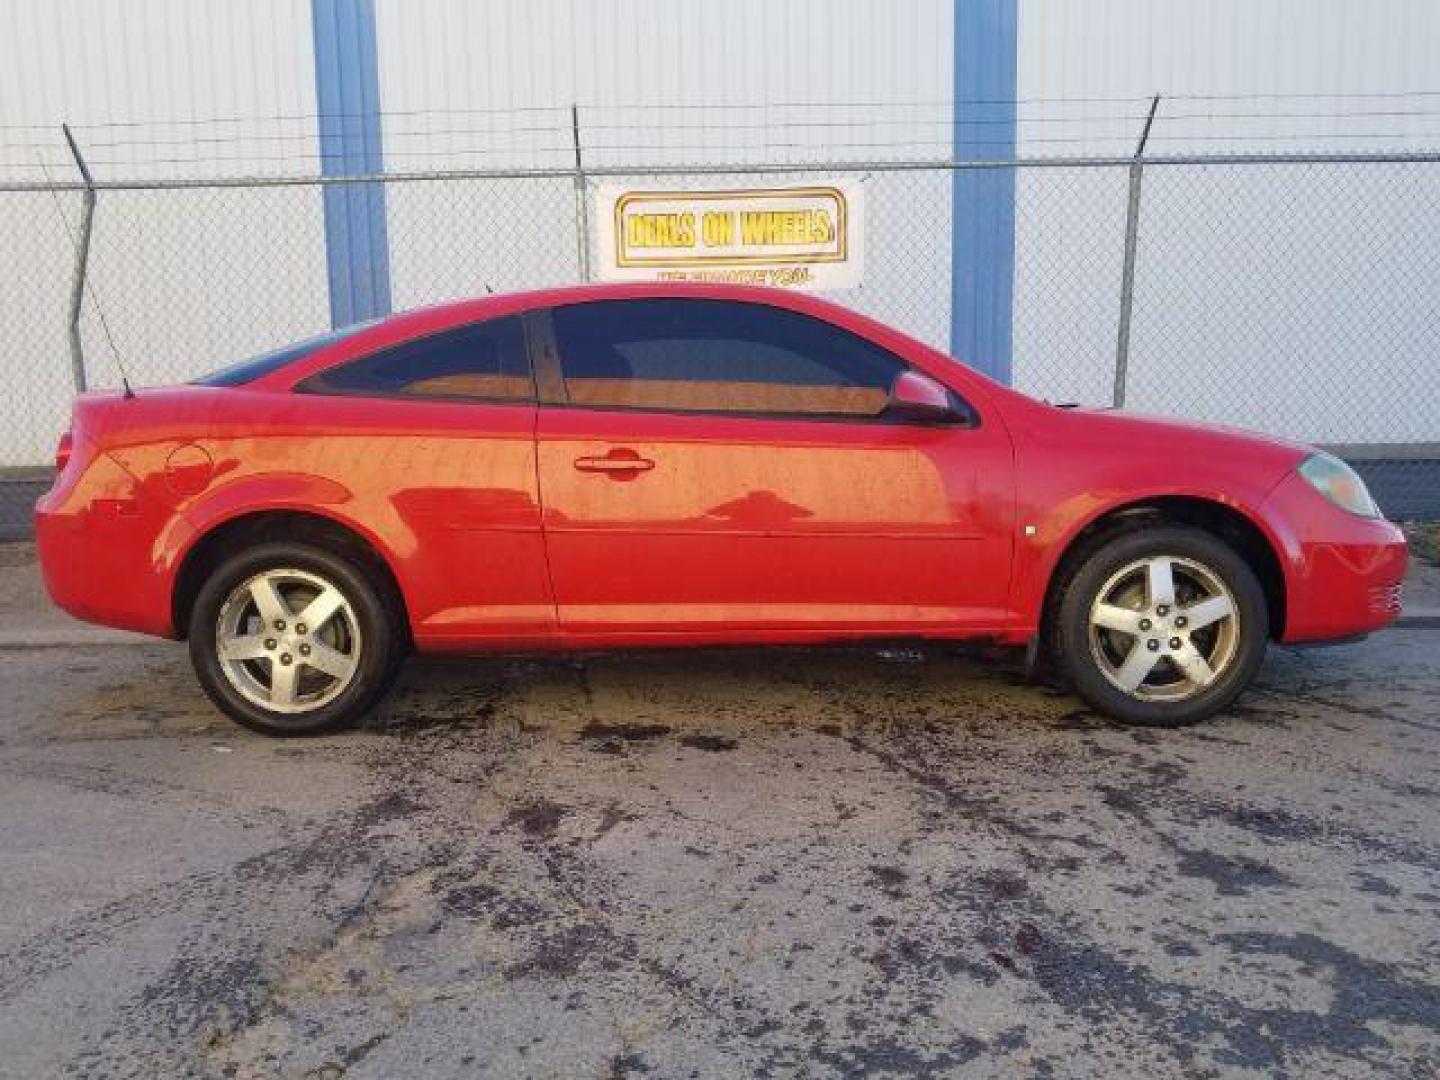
{"x": 1162, "y": 626}
{"x": 292, "y": 639}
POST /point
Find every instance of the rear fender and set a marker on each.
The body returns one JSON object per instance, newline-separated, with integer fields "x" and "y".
{"x": 292, "y": 492}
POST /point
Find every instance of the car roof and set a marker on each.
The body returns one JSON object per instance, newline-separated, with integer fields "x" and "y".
{"x": 418, "y": 322}
{"x": 529, "y": 299}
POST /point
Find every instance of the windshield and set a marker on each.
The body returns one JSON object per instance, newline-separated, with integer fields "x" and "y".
{"x": 250, "y": 370}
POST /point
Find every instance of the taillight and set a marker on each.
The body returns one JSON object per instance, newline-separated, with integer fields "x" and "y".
{"x": 62, "y": 452}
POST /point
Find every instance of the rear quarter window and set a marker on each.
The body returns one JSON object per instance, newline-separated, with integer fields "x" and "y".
{"x": 257, "y": 366}
{"x": 484, "y": 361}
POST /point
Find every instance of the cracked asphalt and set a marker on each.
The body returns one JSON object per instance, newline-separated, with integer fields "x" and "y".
{"x": 717, "y": 864}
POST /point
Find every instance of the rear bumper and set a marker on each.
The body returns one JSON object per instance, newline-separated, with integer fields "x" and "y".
{"x": 95, "y": 537}
{"x": 1343, "y": 573}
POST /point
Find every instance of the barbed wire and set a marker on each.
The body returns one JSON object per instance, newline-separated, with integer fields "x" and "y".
{"x": 57, "y": 156}
{"x": 123, "y": 148}
{"x": 732, "y": 106}
{"x": 565, "y": 129}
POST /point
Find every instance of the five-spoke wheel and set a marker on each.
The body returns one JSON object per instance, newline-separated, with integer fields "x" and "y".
{"x": 289, "y": 638}
{"x": 1163, "y": 628}
{"x": 1161, "y": 625}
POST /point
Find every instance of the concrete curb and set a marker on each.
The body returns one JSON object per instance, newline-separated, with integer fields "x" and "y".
{"x": 71, "y": 638}
{"x": 19, "y": 488}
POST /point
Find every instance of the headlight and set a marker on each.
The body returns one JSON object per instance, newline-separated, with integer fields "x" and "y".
{"x": 1339, "y": 483}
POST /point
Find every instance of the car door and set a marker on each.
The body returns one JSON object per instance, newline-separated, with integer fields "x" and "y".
{"x": 722, "y": 468}
{"x": 434, "y": 440}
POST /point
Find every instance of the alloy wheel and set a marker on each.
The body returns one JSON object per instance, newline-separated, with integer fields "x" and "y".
{"x": 288, "y": 640}
{"x": 1164, "y": 628}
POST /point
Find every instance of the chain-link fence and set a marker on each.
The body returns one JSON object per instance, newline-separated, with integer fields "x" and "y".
{"x": 1298, "y": 296}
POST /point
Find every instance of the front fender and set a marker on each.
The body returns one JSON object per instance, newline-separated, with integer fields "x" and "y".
{"x": 1039, "y": 553}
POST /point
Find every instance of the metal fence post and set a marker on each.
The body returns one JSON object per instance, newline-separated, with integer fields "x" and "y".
{"x": 1127, "y": 273}
{"x": 582, "y": 223}
{"x": 82, "y": 262}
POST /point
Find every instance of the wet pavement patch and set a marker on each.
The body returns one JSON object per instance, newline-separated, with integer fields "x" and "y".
{"x": 486, "y": 901}
{"x": 537, "y": 817}
{"x": 1374, "y": 883}
{"x": 1231, "y": 877}
{"x": 890, "y": 879}
{"x": 712, "y": 743}
{"x": 563, "y": 953}
{"x": 624, "y": 732}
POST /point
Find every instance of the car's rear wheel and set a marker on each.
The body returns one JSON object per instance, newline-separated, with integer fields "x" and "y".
{"x": 292, "y": 639}
{"x": 1162, "y": 626}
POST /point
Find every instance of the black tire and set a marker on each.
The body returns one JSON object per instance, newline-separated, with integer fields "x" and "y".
{"x": 1073, "y": 644}
{"x": 376, "y": 611}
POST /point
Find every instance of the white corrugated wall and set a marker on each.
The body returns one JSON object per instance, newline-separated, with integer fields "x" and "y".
{"x": 154, "y": 89}
{"x": 656, "y": 83}
{"x": 1227, "y": 71}
{"x": 1291, "y": 300}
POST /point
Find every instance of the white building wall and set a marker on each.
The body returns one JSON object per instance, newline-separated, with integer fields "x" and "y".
{"x": 157, "y": 88}
{"x": 658, "y": 83}
{"x": 187, "y": 280}
{"x": 1255, "y": 286}
{"x": 1218, "y": 67}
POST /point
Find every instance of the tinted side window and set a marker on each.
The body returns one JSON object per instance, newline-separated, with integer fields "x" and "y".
{"x": 485, "y": 361}
{"x": 718, "y": 356}
{"x": 249, "y": 370}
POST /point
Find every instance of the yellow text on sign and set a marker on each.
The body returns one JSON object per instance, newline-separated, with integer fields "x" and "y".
{"x": 718, "y": 228}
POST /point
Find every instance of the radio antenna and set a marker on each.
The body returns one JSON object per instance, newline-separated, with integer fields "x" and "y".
{"x": 82, "y": 252}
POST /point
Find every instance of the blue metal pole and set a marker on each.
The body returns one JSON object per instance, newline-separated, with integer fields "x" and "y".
{"x": 983, "y": 221}
{"x": 347, "y": 88}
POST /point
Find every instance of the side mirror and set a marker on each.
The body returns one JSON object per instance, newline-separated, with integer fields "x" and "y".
{"x": 919, "y": 397}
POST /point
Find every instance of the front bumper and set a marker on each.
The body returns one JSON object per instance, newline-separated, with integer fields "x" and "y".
{"x": 1344, "y": 574}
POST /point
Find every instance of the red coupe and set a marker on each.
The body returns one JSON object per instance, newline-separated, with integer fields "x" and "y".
{"x": 647, "y": 465}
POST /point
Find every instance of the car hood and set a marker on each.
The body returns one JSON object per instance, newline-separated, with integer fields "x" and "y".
{"x": 1103, "y": 449}
{"x": 1114, "y": 423}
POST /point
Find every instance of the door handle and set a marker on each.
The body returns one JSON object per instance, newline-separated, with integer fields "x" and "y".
{"x": 616, "y": 463}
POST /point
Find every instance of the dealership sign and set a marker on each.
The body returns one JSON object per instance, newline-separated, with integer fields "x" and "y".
{"x": 809, "y": 237}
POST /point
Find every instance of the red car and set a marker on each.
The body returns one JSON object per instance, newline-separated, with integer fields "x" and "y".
{"x": 673, "y": 465}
